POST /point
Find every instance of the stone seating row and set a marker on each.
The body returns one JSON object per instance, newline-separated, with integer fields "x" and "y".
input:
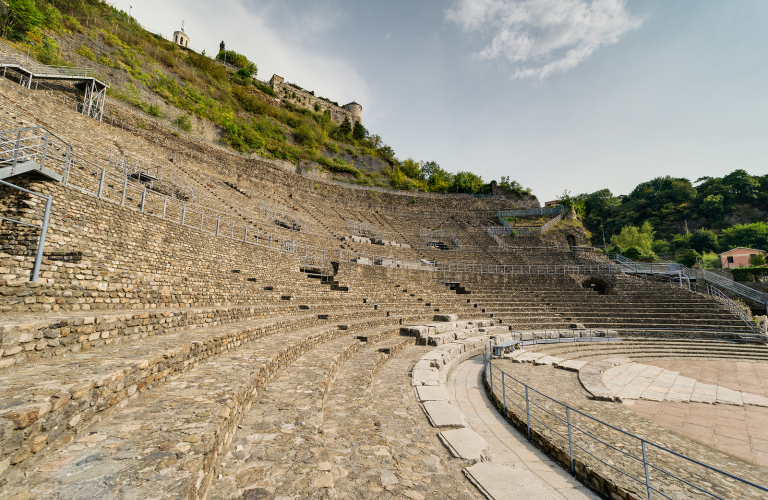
{"x": 242, "y": 367}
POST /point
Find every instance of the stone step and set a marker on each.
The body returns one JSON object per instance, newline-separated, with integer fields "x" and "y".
{"x": 30, "y": 342}
{"x": 179, "y": 431}
{"x": 288, "y": 416}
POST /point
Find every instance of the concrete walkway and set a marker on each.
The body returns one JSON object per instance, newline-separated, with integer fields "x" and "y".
{"x": 509, "y": 447}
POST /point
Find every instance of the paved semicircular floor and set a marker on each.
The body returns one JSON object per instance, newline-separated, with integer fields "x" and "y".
{"x": 509, "y": 447}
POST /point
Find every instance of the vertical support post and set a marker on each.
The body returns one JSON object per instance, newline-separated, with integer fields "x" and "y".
{"x": 570, "y": 439}
{"x": 16, "y": 149}
{"x": 647, "y": 475}
{"x": 218, "y": 220}
{"x": 41, "y": 242}
{"x": 183, "y": 213}
{"x": 528, "y": 411}
{"x": 245, "y": 234}
{"x": 66, "y": 166}
{"x": 45, "y": 150}
{"x": 165, "y": 204}
{"x": 101, "y": 184}
{"x": 503, "y": 391}
{"x": 143, "y": 198}
{"x": 125, "y": 188}
{"x": 202, "y": 218}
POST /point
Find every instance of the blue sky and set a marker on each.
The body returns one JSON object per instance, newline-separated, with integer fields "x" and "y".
{"x": 557, "y": 94}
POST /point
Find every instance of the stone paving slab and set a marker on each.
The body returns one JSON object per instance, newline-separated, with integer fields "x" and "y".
{"x": 443, "y": 414}
{"x": 504, "y": 482}
{"x": 466, "y": 445}
{"x": 640, "y": 381}
{"x": 431, "y": 393}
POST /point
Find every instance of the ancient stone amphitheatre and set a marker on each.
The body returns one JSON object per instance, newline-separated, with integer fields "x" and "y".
{"x": 205, "y": 325}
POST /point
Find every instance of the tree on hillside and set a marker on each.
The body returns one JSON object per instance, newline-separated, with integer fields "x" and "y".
{"x": 467, "y": 182}
{"x": 17, "y": 17}
{"x": 359, "y": 132}
{"x": 345, "y": 127}
{"x": 574, "y": 202}
{"x": 702, "y": 240}
{"x": 745, "y": 235}
{"x": 438, "y": 179}
{"x": 631, "y": 236}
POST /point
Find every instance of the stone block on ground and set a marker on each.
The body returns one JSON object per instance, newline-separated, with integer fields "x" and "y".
{"x": 446, "y": 317}
{"x": 466, "y": 444}
{"x": 572, "y": 365}
{"x": 504, "y": 482}
{"x": 425, "y": 377}
{"x": 431, "y": 393}
{"x": 443, "y": 414}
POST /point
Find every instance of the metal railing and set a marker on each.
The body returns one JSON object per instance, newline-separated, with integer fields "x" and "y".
{"x": 43, "y": 227}
{"x": 364, "y": 229}
{"x": 529, "y": 230}
{"x": 650, "y": 469}
{"x": 731, "y": 306}
{"x": 33, "y": 144}
{"x": 565, "y": 336}
{"x": 442, "y": 235}
{"x": 709, "y": 277}
{"x": 10, "y": 56}
{"x": 530, "y": 212}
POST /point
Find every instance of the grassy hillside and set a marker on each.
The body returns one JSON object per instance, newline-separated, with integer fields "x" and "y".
{"x": 179, "y": 85}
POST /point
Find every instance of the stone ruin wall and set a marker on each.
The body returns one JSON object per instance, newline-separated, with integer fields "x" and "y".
{"x": 306, "y": 100}
{"x": 123, "y": 259}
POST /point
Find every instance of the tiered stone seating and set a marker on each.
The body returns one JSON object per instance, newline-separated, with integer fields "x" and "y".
{"x": 155, "y": 360}
{"x": 529, "y": 302}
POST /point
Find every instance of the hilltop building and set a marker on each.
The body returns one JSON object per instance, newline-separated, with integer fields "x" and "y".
{"x": 301, "y": 98}
{"x": 180, "y": 38}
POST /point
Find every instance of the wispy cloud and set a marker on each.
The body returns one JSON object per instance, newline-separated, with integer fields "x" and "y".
{"x": 543, "y": 37}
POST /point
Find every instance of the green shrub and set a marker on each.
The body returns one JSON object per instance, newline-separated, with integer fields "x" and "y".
{"x": 749, "y": 273}
{"x": 238, "y": 60}
{"x": 184, "y": 123}
{"x": 688, "y": 259}
{"x": 264, "y": 88}
{"x": 86, "y": 52}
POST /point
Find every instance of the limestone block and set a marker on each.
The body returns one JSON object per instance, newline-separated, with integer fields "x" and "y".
{"x": 446, "y": 317}
{"x": 431, "y": 393}
{"x": 439, "y": 339}
{"x": 466, "y": 444}
{"x": 425, "y": 377}
{"x": 504, "y": 482}
{"x": 443, "y": 414}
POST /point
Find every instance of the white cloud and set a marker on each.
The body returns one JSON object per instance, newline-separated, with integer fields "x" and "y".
{"x": 543, "y": 37}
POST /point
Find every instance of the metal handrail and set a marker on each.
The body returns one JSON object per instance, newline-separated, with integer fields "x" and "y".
{"x": 9, "y": 54}
{"x": 43, "y": 227}
{"x": 731, "y": 306}
{"x": 709, "y": 277}
{"x": 526, "y": 402}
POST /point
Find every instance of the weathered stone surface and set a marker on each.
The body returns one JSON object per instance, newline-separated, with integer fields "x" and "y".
{"x": 443, "y": 414}
{"x": 467, "y": 445}
{"x": 431, "y": 393}
{"x": 503, "y": 482}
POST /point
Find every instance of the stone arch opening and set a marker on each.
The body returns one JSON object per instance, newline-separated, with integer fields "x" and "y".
{"x": 571, "y": 240}
{"x": 596, "y": 285}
